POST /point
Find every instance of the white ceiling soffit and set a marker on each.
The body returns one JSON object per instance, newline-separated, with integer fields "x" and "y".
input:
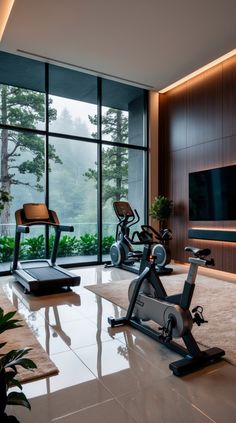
{"x": 150, "y": 43}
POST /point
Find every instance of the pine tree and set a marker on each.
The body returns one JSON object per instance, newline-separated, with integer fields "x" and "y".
{"x": 22, "y": 108}
{"x": 114, "y": 159}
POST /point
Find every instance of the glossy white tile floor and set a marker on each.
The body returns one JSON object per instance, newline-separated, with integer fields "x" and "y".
{"x": 116, "y": 376}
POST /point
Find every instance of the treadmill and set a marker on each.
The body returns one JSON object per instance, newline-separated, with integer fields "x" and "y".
{"x": 40, "y": 275}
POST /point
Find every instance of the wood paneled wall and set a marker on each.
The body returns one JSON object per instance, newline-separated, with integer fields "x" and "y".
{"x": 197, "y": 130}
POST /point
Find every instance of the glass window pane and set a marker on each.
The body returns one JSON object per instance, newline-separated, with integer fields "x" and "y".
{"x": 74, "y": 96}
{"x": 122, "y": 180}
{"x": 73, "y": 195}
{"x": 22, "y": 107}
{"x": 22, "y": 177}
{"x": 123, "y": 113}
{"x": 73, "y": 176}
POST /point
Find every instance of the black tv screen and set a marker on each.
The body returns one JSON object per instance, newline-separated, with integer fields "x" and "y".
{"x": 212, "y": 194}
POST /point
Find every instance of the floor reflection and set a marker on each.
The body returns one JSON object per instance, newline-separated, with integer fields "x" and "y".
{"x": 48, "y": 305}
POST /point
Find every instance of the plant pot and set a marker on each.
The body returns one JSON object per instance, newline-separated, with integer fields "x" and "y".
{"x": 3, "y": 392}
{"x": 4, "y": 418}
{"x": 8, "y": 419}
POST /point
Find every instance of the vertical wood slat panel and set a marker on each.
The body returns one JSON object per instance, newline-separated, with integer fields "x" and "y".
{"x": 229, "y": 96}
{"x": 204, "y": 108}
{"x": 180, "y": 213}
{"x": 199, "y": 122}
{"x": 164, "y": 158}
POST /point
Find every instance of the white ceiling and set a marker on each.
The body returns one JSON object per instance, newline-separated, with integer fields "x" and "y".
{"x": 150, "y": 42}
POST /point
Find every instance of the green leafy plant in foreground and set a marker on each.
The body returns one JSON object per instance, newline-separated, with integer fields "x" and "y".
{"x": 9, "y": 363}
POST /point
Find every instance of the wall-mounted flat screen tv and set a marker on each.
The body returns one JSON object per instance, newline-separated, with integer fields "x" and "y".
{"x": 212, "y": 194}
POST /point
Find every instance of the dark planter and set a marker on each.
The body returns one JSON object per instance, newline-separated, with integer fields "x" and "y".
{"x": 8, "y": 419}
{"x": 4, "y": 418}
{"x": 3, "y": 392}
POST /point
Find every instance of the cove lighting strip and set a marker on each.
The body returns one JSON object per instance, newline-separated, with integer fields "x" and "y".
{"x": 5, "y": 10}
{"x": 213, "y": 234}
{"x": 198, "y": 71}
{"x": 215, "y": 228}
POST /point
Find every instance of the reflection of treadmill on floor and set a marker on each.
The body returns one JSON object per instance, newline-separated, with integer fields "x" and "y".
{"x": 41, "y": 274}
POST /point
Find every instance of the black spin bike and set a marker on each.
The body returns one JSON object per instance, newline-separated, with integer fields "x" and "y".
{"x": 149, "y": 302}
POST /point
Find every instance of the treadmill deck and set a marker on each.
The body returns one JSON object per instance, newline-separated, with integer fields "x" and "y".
{"x": 45, "y": 273}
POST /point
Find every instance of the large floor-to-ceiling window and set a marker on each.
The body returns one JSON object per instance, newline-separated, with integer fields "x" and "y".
{"x": 75, "y": 141}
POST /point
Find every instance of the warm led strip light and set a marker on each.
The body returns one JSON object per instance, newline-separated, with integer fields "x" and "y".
{"x": 214, "y": 229}
{"x": 198, "y": 71}
{"x": 5, "y": 10}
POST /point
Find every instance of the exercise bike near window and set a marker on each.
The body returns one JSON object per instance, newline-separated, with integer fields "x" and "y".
{"x": 149, "y": 302}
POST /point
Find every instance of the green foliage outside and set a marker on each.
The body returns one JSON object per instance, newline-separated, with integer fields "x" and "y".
{"x": 107, "y": 241}
{"x": 6, "y": 248}
{"x": 22, "y": 108}
{"x": 4, "y": 198}
{"x": 88, "y": 244}
{"x": 68, "y": 245}
{"x": 32, "y": 248}
{"x": 23, "y": 164}
{"x": 114, "y": 159}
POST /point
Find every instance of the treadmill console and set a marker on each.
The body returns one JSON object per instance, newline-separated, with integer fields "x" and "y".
{"x": 36, "y": 211}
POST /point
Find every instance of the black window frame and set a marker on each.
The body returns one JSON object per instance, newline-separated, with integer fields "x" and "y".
{"x": 98, "y": 141}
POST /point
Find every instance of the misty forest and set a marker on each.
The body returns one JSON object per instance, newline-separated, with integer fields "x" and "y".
{"x": 73, "y": 170}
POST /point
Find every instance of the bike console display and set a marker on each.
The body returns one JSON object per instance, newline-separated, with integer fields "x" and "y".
{"x": 123, "y": 209}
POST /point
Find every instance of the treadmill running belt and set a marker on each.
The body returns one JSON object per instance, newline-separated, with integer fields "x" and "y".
{"x": 46, "y": 273}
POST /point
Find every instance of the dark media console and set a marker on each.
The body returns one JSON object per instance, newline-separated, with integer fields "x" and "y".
{"x": 212, "y": 234}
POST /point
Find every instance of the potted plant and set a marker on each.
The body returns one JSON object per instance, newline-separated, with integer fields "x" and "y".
{"x": 8, "y": 369}
{"x": 161, "y": 209}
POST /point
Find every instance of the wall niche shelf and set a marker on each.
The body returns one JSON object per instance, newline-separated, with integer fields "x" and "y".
{"x": 212, "y": 234}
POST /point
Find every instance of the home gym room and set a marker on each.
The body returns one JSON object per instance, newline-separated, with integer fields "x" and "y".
{"x": 118, "y": 217}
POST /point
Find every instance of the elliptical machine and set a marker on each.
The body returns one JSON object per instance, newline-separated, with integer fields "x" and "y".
{"x": 122, "y": 252}
{"x": 149, "y": 301}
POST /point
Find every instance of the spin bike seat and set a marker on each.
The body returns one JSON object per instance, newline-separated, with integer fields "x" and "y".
{"x": 198, "y": 252}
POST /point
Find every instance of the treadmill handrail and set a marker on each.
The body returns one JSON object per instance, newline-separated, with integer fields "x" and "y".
{"x": 22, "y": 229}
{"x": 65, "y": 228}
{"x": 25, "y": 228}
{"x": 62, "y": 228}
{"x": 33, "y": 214}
